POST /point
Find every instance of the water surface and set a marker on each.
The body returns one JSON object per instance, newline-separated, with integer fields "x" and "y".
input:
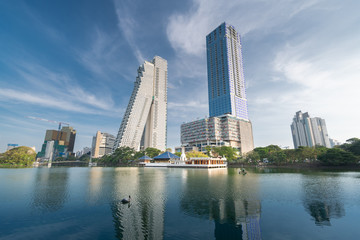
{"x": 85, "y": 203}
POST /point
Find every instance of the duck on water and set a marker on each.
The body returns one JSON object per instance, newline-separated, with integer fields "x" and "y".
{"x": 124, "y": 200}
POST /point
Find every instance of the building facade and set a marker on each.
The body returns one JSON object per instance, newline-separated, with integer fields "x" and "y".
{"x": 226, "y": 84}
{"x": 145, "y": 119}
{"x": 308, "y": 131}
{"x": 102, "y": 144}
{"x": 225, "y": 130}
{"x": 63, "y": 142}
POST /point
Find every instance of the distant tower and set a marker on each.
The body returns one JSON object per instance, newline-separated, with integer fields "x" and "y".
{"x": 102, "y": 144}
{"x": 308, "y": 131}
{"x": 63, "y": 141}
{"x": 144, "y": 122}
{"x": 226, "y": 84}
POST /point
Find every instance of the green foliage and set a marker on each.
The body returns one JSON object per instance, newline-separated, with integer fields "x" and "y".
{"x": 71, "y": 158}
{"x": 337, "y": 157}
{"x": 178, "y": 154}
{"x": 152, "y": 152}
{"x": 352, "y": 145}
{"x": 85, "y": 158}
{"x": 252, "y": 157}
{"x": 139, "y": 154}
{"x": 277, "y": 157}
{"x": 194, "y": 153}
{"x": 208, "y": 150}
{"x": 23, "y": 156}
{"x": 121, "y": 155}
{"x": 229, "y": 152}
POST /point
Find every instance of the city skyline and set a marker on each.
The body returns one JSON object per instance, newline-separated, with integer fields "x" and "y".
{"x": 75, "y": 61}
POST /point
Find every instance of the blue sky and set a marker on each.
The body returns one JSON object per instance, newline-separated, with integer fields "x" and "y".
{"x": 76, "y": 61}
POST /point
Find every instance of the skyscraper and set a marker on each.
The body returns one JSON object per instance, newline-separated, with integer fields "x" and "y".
{"x": 226, "y": 84}
{"x": 229, "y": 124}
{"x": 145, "y": 119}
{"x": 308, "y": 131}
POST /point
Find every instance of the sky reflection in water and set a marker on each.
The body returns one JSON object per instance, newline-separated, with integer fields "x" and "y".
{"x": 85, "y": 203}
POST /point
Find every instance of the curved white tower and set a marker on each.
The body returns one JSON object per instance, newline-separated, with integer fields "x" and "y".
{"x": 144, "y": 122}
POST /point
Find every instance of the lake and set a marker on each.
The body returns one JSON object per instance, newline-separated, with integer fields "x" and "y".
{"x": 166, "y": 203}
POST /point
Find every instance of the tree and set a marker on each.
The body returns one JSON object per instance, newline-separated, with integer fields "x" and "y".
{"x": 194, "y": 153}
{"x": 263, "y": 152}
{"x": 354, "y": 146}
{"x": 152, "y": 152}
{"x": 71, "y": 158}
{"x": 178, "y": 154}
{"x": 337, "y": 157}
{"x": 85, "y": 158}
{"x": 277, "y": 157}
{"x": 229, "y": 152}
{"x": 122, "y": 155}
{"x": 208, "y": 150}
{"x": 139, "y": 154}
{"x": 19, "y": 156}
{"x": 252, "y": 157}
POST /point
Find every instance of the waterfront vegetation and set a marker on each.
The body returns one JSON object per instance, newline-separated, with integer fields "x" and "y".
{"x": 342, "y": 155}
{"x": 347, "y": 154}
{"x": 18, "y": 157}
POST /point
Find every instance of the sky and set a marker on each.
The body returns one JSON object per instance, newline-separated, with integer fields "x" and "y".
{"x": 76, "y": 62}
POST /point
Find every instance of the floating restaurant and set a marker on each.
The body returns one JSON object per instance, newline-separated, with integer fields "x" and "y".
{"x": 168, "y": 159}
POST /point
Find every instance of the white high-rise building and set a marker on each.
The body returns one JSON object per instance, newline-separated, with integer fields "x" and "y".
{"x": 144, "y": 122}
{"x": 102, "y": 144}
{"x": 308, "y": 131}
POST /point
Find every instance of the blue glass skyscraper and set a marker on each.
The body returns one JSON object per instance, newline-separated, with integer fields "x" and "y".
{"x": 226, "y": 84}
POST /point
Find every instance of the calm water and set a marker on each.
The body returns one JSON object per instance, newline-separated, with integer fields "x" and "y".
{"x": 85, "y": 203}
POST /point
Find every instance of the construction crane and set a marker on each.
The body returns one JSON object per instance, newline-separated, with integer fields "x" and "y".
{"x": 57, "y": 135}
{"x": 43, "y": 119}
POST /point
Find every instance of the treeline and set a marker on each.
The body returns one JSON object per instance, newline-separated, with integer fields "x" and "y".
{"x": 18, "y": 157}
{"x": 345, "y": 154}
{"x": 126, "y": 155}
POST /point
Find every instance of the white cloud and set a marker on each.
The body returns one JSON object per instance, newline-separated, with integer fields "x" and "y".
{"x": 186, "y": 31}
{"x": 127, "y": 26}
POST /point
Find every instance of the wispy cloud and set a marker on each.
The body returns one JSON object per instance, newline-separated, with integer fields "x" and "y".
{"x": 59, "y": 90}
{"x": 43, "y": 100}
{"x": 103, "y": 56}
{"x": 127, "y": 26}
{"x": 187, "y": 31}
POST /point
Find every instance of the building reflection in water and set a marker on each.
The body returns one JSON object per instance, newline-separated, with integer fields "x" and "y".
{"x": 232, "y": 202}
{"x": 143, "y": 218}
{"x": 96, "y": 185}
{"x": 50, "y": 189}
{"x": 322, "y": 198}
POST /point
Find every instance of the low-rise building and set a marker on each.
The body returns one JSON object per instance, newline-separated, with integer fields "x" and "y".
{"x": 225, "y": 130}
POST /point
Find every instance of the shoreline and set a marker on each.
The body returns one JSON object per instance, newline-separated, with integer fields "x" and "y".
{"x": 296, "y": 166}
{"x": 305, "y": 166}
